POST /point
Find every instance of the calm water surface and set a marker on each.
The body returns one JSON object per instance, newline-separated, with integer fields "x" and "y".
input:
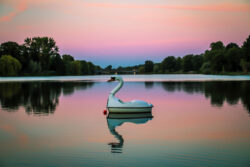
{"x": 61, "y": 123}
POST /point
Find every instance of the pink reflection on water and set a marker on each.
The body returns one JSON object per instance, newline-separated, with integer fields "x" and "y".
{"x": 178, "y": 116}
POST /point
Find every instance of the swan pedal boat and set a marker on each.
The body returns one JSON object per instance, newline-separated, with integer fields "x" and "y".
{"x": 115, "y": 105}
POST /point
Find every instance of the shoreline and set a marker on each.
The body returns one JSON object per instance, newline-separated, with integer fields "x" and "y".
{"x": 132, "y": 78}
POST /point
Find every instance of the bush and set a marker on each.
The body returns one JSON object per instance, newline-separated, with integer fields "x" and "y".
{"x": 9, "y": 66}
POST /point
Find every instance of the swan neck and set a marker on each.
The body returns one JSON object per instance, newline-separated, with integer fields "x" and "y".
{"x": 117, "y": 88}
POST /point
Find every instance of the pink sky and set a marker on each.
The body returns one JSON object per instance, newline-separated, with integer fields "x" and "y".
{"x": 120, "y": 32}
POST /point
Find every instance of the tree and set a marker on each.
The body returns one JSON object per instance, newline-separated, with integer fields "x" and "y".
{"x": 217, "y": 45}
{"x": 108, "y": 68}
{"x": 245, "y": 65}
{"x": 10, "y": 48}
{"x": 9, "y": 66}
{"x": 187, "y": 63}
{"x": 24, "y": 58}
{"x": 215, "y": 57}
{"x": 66, "y": 57}
{"x": 197, "y": 62}
{"x": 75, "y": 67}
{"x": 91, "y": 67}
{"x": 246, "y": 49}
{"x": 218, "y": 60}
{"x": 141, "y": 69}
{"x": 168, "y": 64}
{"x": 148, "y": 66}
{"x": 245, "y": 62}
{"x": 233, "y": 58}
{"x": 98, "y": 69}
{"x": 231, "y": 45}
{"x": 178, "y": 64}
{"x": 156, "y": 68}
{"x": 84, "y": 67}
{"x": 57, "y": 65}
{"x": 41, "y": 49}
{"x": 34, "y": 67}
{"x": 206, "y": 68}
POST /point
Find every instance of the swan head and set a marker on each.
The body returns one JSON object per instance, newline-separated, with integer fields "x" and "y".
{"x": 115, "y": 78}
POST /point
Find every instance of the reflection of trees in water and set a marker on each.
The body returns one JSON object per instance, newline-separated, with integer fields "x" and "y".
{"x": 36, "y": 97}
{"x": 218, "y": 92}
{"x": 149, "y": 85}
{"x": 189, "y": 87}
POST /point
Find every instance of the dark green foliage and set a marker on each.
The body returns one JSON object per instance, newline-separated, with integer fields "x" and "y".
{"x": 68, "y": 58}
{"x": 245, "y": 62}
{"x": 233, "y": 57}
{"x": 215, "y": 57}
{"x": 41, "y": 50}
{"x": 217, "y": 45}
{"x": 246, "y": 49}
{"x": 75, "y": 67}
{"x": 34, "y": 67}
{"x": 141, "y": 69}
{"x": 187, "y": 63}
{"x": 17, "y": 51}
{"x": 231, "y": 45}
{"x": 178, "y": 64}
{"x": 148, "y": 66}
{"x": 168, "y": 64}
{"x": 108, "y": 68}
{"x": 9, "y": 66}
{"x": 92, "y": 68}
{"x": 197, "y": 62}
{"x": 218, "y": 60}
{"x": 10, "y": 48}
{"x": 206, "y": 68}
{"x": 84, "y": 67}
{"x": 245, "y": 65}
{"x": 57, "y": 65}
{"x": 156, "y": 69}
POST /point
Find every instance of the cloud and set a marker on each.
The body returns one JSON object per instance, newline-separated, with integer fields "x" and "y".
{"x": 19, "y": 8}
{"x": 24, "y": 27}
{"x": 226, "y": 7}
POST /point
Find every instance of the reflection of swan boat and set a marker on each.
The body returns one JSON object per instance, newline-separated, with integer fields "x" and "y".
{"x": 114, "y": 120}
{"x": 128, "y": 117}
{"x": 115, "y": 105}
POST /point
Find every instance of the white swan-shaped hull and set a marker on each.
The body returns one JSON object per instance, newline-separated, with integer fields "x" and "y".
{"x": 115, "y": 105}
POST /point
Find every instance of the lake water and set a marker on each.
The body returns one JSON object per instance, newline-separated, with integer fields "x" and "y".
{"x": 197, "y": 120}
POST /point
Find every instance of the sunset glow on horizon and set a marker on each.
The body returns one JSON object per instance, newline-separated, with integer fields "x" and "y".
{"x": 122, "y": 33}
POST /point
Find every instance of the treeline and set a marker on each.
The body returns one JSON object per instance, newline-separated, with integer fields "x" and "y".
{"x": 40, "y": 56}
{"x": 219, "y": 59}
